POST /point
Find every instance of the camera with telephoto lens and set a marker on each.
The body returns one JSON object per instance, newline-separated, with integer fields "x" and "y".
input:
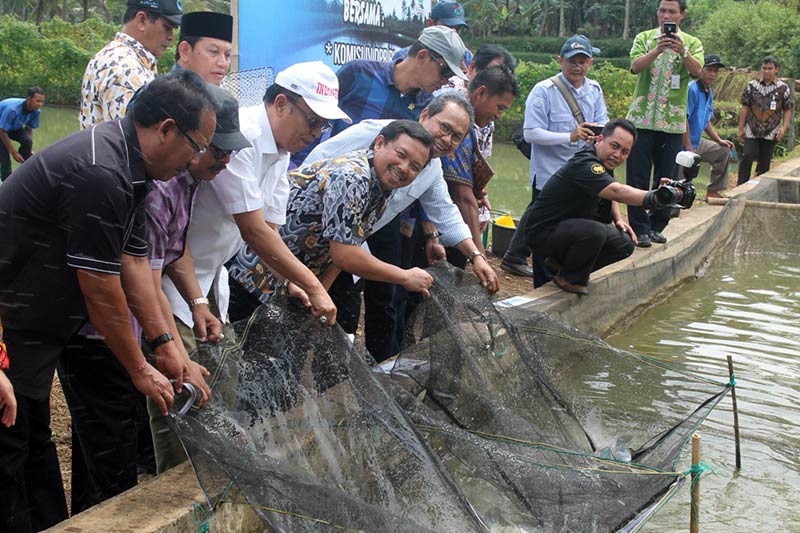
{"x": 681, "y": 193}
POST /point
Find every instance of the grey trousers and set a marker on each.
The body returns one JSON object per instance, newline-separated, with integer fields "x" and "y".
{"x": 718, "y": 157}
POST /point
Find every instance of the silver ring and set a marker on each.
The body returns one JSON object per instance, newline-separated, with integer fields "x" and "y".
{"x": 323, "y": 319}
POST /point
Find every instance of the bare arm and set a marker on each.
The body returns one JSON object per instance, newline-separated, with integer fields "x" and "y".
{"x": 358, "y": 261}
{"x": 687, "y": 138}
{"x": 181, "y": 272}
{"x": 10, "y": 147}
{"x": 742, "y": 121}
{"x": 108, "y": 312}
{"x": 787, "y": 121}
{"x": 480, "y": 266}
{"x": 714, "y": 136}
{"x": 466, "y": 202}
{"x": 269, "y": 246}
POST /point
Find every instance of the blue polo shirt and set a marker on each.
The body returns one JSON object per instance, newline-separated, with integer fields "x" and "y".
{"x": 13, "y": 115}
{"x": 367, "y": 90}
{"x": 699, "y": 110}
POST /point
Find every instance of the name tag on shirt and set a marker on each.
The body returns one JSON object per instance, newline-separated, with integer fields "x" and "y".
{"x": 676, "y": 81}
{"x": 773, "y": 105}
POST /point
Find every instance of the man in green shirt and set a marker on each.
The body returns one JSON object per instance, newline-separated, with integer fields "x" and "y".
{"x": 664, "y": 59}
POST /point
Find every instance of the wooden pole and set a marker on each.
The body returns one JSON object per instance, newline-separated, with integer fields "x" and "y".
{"x": 735, "y": 417}
{"x": 694, "y": 522}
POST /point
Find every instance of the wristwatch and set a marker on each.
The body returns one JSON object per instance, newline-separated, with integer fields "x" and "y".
{"x": 685, "y": 51}
{"x": 473, "y": 254}
{"x": 198, "y": 301}
{"x": 161, "y": 339}
{"x": 432, "y": 235}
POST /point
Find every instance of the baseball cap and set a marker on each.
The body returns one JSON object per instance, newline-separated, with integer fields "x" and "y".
{"x": 445, "y": 42}
{"x": 207, "y": 24}
{"x": 318, "y": 85}
{"x": 449, "y": 13}
{"x": 227, "y": 135}
{"x": 712, "y": 60}
{"x": 578, "y": 44}
{"x": 169, "y": 9}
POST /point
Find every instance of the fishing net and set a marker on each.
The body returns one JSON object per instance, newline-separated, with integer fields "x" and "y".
{"x": 507, "y": 421}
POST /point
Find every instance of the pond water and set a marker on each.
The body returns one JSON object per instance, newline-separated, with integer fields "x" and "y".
{"x": 747, "y": 304}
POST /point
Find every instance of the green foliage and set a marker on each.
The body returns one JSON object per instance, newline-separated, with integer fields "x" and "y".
{"x": 752, "y": 30}
{"x": 54, "y": 56}
{"x": 552, "y": 45}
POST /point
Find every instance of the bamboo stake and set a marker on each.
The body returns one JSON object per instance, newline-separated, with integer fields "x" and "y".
{"x": 694, "y": 522}
{"x": 735, "y": 417}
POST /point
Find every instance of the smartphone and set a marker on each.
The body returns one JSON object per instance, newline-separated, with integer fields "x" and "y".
{"x": 596, "y": 130}
{"x": 670, "y": 28}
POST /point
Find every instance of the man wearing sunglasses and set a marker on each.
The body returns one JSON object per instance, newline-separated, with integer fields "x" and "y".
{"x": 247, "y": 201}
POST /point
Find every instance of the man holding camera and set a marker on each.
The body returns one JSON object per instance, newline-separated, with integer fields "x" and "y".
{"x": 665, "y": 59}
{"x": 575, "y": 221}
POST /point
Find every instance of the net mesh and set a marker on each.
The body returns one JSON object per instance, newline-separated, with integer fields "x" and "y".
{"x": 504, "y": 421}
{"x": 249, "y": 85}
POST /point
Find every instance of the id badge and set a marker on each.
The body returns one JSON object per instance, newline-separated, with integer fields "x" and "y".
{"x": 773, "y": 105}
{"x": 676, "y": 81}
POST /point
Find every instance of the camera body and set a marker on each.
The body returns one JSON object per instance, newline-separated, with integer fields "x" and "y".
{"x": 690, "y": 163}
{"x": 670, "y": 28}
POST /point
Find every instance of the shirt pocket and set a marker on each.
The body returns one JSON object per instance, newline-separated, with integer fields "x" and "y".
{"x": 561, "y": 122}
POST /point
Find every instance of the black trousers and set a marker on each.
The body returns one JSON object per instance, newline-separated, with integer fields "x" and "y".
{"x": 110, "y": 426}
{"x": 31, "y": 492}
{"x": 652, "y": 158}
{"x": 758, "y": 150}
{"x": 518, "y": 249}
{"x": 380, "y": 309}
{"x": 582, "y": 246}
{"x": 25, "y": 148}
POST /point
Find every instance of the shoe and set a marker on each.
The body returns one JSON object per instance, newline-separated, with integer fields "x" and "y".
{"x": 568, "y": 286}
{"x": 657, "y": 237}
{"x": 713, "y": 194}
{"x": 643, "y": 241}
{"x": 518, "y": 269}
{"x": 552, "y": 266}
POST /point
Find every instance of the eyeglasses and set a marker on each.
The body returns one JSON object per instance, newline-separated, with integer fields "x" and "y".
{"x": 199, "y": 150}
{"x": 448, "y": 131}
{"x": 312, "y": 120}
{"x": 444, "y": 69}
{"x": 220, "y": 154}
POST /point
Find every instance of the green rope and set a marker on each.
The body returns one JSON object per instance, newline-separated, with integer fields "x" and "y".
{"x": 699, "y": 469}
{"x": 202, "y": 517}
{"x": 732, "y": 382}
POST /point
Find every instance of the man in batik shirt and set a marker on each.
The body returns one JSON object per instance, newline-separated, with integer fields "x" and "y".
{"x": 765, "y": 101}
{"x": 128, "y": 62}
{"x": 334, "y": 203}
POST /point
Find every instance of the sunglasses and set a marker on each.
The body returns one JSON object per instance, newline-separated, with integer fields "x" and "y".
{"x": 312, "y": 120}
{"x": 444, "y": 69}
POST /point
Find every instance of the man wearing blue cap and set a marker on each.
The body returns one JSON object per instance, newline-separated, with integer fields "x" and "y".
{"x": 556, "y": 131}
{"x": 444, "y": 13}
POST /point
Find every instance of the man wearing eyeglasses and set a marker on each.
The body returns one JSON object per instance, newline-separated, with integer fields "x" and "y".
{"x": 128, "y": 62}
{"x": 555, "y": 133}
{"x": 247, "y": 201}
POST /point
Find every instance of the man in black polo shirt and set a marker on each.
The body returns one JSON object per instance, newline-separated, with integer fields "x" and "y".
{"x": 66, "y": 217}
{"x": 575, "y": 221}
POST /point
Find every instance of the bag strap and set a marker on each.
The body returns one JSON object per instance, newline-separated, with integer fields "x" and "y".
{"x": 568, "y": 97}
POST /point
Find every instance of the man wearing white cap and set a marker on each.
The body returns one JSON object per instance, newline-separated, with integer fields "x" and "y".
{"x": 247, "y": 201}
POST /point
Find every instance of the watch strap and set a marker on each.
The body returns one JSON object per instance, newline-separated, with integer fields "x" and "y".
{"x": 161, "y": 339}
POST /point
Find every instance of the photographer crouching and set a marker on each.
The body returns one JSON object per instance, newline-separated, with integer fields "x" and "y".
{"x": 575, "y": 226}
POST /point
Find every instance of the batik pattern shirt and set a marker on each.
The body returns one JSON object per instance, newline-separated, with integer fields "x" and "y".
{"x": 112, "y": 76}
{"x": 337, "y": 199}
{"x": 766, "y": 104}
{"x": 656, "y": 105}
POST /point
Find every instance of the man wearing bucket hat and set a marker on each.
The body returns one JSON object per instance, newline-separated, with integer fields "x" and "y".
{"x": 204, "y": 44}
{"x": 128, "y": 62}
{"x": 699, "y": 112}
{"x": 247, "y": 201}
{"x": 556, "y": 131}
